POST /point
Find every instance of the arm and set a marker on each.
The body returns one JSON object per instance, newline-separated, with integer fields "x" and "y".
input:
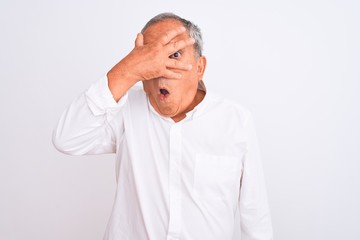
{"x": 254, "y": 211}
{"x": 85, "y": 127}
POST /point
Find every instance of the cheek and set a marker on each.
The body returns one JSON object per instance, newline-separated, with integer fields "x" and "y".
{"x": 188, "y": 90}
{"x": 193, "y": 80}
{"x": 147, "y": 87}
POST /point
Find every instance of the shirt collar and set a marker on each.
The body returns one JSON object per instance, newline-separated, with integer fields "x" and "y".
{"x": 189, "y": 115}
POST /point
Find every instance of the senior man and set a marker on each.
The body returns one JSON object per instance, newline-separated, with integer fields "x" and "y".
{"x": 187, "y": 160}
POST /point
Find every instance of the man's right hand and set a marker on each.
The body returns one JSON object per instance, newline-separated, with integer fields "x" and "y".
{"x": 148, "y": 61}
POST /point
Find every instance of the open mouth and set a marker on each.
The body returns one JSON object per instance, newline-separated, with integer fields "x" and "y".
{"x": 164, "y": 92}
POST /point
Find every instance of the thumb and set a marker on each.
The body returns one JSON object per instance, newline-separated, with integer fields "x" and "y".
{"x": 139, "y": 41}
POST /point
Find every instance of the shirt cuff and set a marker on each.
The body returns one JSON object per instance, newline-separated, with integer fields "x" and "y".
{"x": 100, "y": 99}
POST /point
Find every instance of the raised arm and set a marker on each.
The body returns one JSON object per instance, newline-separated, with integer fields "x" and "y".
{"x": 85, "y": 126}
{"x": 93, "y": 122}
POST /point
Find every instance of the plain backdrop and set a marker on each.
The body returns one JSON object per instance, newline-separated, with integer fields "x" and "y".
{"x": 294, "y": 64}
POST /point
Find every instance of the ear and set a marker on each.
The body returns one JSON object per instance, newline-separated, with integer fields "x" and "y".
{"x": 200, "y": 67}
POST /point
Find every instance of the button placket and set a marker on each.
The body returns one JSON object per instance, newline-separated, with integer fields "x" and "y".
{"x": 175, "y": 183}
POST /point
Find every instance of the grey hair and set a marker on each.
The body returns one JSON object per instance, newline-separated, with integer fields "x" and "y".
{"x": 192, "y": 29}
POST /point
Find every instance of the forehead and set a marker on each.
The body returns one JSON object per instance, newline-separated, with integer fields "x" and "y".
{"x": 159, "y": 29}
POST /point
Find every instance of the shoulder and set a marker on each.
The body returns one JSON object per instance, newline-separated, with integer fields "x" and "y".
{"x": 136, "y": 90}
{"x": 227, "y": 109}
{"x": 136, "y": 94}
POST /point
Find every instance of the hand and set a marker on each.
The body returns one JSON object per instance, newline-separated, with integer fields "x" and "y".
{"x": 149, "y": 61}
{"x": 152, "y": 60}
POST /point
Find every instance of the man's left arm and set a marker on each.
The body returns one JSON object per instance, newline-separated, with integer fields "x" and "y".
{"x": 255, "y": 221}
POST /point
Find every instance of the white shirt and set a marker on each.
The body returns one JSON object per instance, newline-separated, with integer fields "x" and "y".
{"x": 183, "y": 180}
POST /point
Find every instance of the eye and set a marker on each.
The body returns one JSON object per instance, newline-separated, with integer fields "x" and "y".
{"x": 175, "y": 55}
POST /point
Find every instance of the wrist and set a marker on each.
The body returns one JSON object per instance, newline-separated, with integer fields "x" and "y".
{"x": 120, "y": 81}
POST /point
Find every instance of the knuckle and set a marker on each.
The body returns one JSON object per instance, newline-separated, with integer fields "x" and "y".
{"x": 166, "y": 37}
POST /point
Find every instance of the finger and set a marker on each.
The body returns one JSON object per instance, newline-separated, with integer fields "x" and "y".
{"x": 172, "y": 47}
{"x": 168, "y": 36}
{"x": 176, "y": 64}
{"x": 139, "y": 41}
{"x": 171, "y": 74}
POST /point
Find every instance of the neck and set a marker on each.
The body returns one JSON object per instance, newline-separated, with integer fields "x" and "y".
{"x": 197, "y": 99}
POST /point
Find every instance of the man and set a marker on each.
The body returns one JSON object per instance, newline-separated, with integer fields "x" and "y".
{"x": 187, "y": 160}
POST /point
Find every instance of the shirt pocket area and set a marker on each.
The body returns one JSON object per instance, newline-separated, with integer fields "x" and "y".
{"x": 217, "y": 177}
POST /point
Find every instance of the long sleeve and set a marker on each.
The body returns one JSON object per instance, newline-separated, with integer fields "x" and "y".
{"x": 86, "y": 126}
{"x": 255, "y": 221}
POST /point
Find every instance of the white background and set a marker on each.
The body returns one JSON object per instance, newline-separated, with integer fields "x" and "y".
{"x": 294, "y": 64}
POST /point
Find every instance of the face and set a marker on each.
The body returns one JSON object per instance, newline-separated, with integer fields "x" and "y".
{"x": 175, "y": 97}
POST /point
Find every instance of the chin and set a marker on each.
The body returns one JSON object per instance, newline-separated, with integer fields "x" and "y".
{"x": 169, "y": 111}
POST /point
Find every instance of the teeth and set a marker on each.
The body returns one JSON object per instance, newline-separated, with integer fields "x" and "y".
{"x": 164, "y": 91}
